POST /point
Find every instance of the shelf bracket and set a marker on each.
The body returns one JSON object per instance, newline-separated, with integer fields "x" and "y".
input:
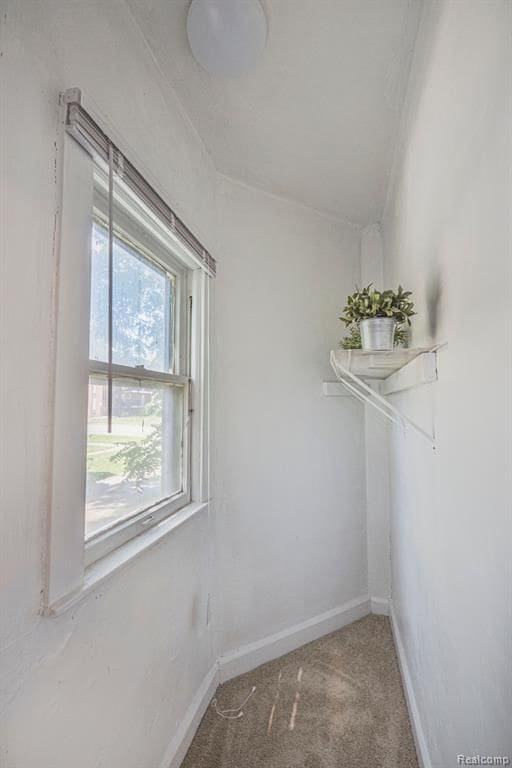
{"x": 366, "y": 394}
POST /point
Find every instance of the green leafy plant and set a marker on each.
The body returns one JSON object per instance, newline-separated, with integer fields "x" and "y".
{"x": 353, "y": 338}
{"x": 366, "y": 303}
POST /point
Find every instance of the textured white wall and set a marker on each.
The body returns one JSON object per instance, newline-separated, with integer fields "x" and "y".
{"x": 447, "y": 229}
{"x": 289, "y": 462}
{"x": 106, "y": 684}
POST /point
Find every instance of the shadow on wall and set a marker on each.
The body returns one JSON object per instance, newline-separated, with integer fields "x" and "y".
{"x": 433, "y": 296}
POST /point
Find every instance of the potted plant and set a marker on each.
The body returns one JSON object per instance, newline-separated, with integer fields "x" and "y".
{"x": 377, "y": 320}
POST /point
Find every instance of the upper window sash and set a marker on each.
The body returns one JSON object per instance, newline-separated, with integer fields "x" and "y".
{"x": 148, "y": 237}
{"x": 159, "y": 281}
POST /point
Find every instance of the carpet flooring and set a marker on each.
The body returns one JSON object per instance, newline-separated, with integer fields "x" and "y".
{"x": 334, "y": 703}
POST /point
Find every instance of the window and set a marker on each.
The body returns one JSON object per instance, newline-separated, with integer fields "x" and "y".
{"x": 138, "y": 446}
{"x": 130, "y": 416}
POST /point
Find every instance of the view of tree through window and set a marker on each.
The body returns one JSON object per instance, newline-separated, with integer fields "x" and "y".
{"x": 138, "y": 462}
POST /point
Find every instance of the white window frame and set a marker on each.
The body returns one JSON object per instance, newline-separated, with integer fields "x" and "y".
{"x": 71, "y": 562}
{"x": 149, "y": 238}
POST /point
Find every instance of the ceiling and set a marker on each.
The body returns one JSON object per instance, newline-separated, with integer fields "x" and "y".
{"x": 316, "y": 120}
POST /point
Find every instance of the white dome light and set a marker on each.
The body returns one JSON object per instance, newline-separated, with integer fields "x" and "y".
{"x": 226, "y": 36}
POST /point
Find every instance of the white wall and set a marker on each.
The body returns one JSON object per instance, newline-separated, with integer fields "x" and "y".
{"x": 106, "y": 684}
{"x": 447, "y": 227}
{"x": 289, "y": 462}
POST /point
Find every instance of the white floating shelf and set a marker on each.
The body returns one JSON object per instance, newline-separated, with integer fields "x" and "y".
{"x": 388, "y": 372}
{"x": 374, "y": 365}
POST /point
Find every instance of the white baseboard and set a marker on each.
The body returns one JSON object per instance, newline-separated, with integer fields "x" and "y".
{"x": 417, "y": 728}
{"x": 380, "y": 606}
{"x": 182, "y": 740}
{"x": 252, "y": 655}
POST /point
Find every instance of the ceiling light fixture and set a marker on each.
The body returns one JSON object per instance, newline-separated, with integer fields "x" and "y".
{"x": 226, "y": 36}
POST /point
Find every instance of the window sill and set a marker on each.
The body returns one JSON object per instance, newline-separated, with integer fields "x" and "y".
{"x": 119, "y": 558}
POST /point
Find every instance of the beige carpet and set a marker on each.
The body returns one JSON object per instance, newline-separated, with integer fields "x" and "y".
{"x": 334, "y": 703}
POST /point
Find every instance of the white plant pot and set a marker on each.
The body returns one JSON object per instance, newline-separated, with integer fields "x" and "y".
{"x": 377, "y": 334}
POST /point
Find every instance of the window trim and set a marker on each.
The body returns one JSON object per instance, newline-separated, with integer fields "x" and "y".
{"x": 67, "y": 579}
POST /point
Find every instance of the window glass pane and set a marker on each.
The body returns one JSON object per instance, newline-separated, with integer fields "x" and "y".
{"x": 142, "y": 307}
{"x": 140, "y": 462}
{"x": 141, "y": 310}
